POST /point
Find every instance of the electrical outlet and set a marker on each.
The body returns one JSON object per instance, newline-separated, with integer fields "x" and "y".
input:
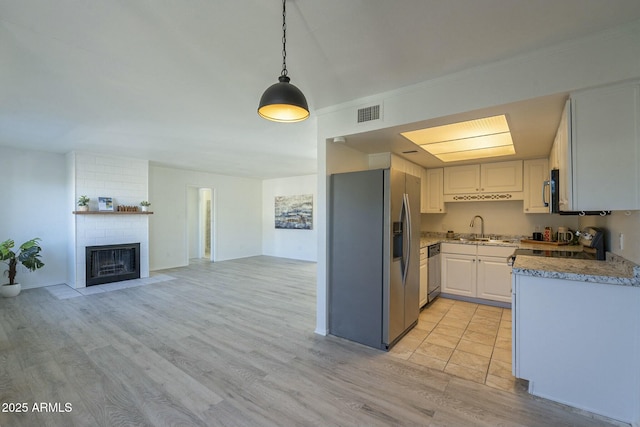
{"x": 621, "y": 238}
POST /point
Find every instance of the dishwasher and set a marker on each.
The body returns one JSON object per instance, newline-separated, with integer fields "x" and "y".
{"x": 433, "y": 271}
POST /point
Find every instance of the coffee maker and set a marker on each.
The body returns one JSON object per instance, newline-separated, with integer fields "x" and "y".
{"x": 592, "y": 239}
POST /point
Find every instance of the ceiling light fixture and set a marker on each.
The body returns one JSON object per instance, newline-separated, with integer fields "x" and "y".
{"x": 473, "y": 139}
{"x": 283, "y": 102}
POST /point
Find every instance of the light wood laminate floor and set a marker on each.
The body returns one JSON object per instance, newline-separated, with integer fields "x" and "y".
{"x": 226, "y": 344}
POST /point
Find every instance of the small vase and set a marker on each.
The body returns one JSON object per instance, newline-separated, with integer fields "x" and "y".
{"x": 9, "y": 291}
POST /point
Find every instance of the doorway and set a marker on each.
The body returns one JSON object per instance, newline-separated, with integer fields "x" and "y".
{"x": 200, "y": 224}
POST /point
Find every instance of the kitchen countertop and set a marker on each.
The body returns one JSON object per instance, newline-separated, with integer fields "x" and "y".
{"x": 615, "y": 270}
{"x": 426, "y": 241}
{"x": 515, "y": 243}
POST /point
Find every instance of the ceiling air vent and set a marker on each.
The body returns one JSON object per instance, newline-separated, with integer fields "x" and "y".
{"x": 368, "y": 113}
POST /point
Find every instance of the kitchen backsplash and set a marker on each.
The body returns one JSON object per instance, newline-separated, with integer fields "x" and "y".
{"x": 626, "y": 223}
{"x": 505, "y": 218}
{"x": 500, "y": 218}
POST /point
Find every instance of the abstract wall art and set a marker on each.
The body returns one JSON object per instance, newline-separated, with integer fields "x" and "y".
{"x": 294, "y": 212}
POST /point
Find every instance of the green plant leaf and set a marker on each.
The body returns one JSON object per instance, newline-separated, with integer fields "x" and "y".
{"x": 29, "y": 256}
{"x": 5, "y": 250}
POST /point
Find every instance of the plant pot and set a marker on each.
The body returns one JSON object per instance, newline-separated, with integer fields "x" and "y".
{"x": 9, "y": 291}
{"x": 83, "y": 208}
{"x": 144, "y": 208}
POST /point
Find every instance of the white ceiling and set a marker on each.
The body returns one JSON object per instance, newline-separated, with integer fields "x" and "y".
{"x": 178, "y": 81}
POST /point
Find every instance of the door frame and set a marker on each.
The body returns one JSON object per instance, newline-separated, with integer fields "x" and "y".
{"x": 200, "y": 221}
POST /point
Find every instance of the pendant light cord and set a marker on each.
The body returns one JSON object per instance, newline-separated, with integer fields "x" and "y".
{"x": 284, "y": 38}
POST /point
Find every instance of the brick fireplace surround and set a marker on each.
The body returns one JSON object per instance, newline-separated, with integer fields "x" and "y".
{"x": 125, "y": 180}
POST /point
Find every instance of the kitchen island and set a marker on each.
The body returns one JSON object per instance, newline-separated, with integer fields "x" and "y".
{"x": 576, "y": 333}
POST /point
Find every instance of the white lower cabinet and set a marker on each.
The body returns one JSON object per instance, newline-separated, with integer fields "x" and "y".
{"x": 476, "y": 271}
{"x": 577, "y": 343}
{"x": 459, "y": 274}
{"x": 424, "y": 276}
{"x": 493, "y": 279}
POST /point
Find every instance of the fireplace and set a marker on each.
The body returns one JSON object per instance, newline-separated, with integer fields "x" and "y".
{"x": 112, "y": 263}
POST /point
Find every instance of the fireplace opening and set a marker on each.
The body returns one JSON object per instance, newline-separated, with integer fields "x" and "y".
{"x": 112, "y": 263}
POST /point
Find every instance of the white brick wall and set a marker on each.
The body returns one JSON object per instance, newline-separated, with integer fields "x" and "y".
{"x": 126, "y": 181}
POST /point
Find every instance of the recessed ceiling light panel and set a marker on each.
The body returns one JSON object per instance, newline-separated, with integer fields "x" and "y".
{"x": 473, "y": 139}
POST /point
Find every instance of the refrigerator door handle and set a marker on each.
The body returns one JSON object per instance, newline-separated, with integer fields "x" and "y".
{"x": 403, "y": 262}
{"x": 407, "y": 210}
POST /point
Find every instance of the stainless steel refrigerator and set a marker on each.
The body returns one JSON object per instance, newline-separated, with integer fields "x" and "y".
{"x": 374, "y": 256}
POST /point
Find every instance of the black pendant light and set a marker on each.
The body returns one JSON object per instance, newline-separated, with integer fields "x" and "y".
{"x": 283, "y": 102}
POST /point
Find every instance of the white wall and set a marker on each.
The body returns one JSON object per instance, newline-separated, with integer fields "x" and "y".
{"x": 296, "y": 244}
{"x": 500, "y": 217}
{"x": 34, "y": 203}
{"x": 602, "y": 58}
{"x": 237, "y": 215}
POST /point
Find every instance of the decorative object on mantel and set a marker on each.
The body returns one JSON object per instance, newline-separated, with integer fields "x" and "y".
{"x": 294, "y": 212}
{"x": 105, "y": 204}
{"x": 145, "y": 205}
{"x": 29, "y": 256}
{"x": 83, "y": 203}
{"x": 123, "y": 208}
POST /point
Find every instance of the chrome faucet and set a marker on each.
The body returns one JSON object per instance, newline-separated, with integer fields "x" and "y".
{"x": 473, "y": 222}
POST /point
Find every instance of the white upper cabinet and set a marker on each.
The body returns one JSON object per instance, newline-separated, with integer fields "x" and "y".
{"x": 432, "y": 191}
{"x": 462, "y": 179}
{"x": 605, "y": 144}
{"x": 536, "y": 172}
{"x": 501, "y": 177}
{"x": 498, "y": 177}
{"x": 561, "y": 159}
{"x": 402, "y": 165}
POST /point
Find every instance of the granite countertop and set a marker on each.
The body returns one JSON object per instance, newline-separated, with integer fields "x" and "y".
{"x": 615, "y": 270}
{"x": 506, "y": 241}
{"x": 426, "y": 241}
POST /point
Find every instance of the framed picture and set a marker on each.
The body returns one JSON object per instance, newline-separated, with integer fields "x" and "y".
{"x": 294, "y": 212}
{"x": 105, "y": 204}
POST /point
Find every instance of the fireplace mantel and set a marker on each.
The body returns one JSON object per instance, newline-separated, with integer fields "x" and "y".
{"x": 110, "y": 213}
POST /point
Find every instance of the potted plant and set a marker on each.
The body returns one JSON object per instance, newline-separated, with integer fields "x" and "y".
{"x": 28, "y": 255}
{"x": 145, "y": 205}
{"x": 83, "y": 203}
